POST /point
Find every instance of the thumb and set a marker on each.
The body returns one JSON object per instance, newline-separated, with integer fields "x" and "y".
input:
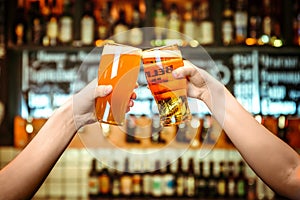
{"x": 187, "y": 70}
{"x": 103, "y": 90}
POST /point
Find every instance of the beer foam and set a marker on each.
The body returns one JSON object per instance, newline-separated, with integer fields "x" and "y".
{"x": 120, "y": 49}
{"x": 162, "y": 53}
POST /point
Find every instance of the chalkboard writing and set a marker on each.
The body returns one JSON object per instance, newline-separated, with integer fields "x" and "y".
{"x": 279, "y": 84}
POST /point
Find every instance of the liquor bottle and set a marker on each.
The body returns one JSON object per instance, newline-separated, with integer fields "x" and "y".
{"x": 222, "y": 181}
{"x": 231, "y": 186}
{"x": 190, "y": 181}
{"x": 136, "y": 33}
{"x": 137, "y": 179}
{"x": 227, "y": 24}
{"x": 174, "y": 23}
{"x": 20, "y": 27}
{"x": 179, "y": 179}
{"x": 241, "y": 181}
{"x": 103, "y": 29}
{"x": 146, "y": 179}
{"x": 251, "y": 188}
{"x": 36, "y": 23}
{"x": 254, "y": 24}
{"x": 188, "y": 23}
{"x": 120, "y": 28}
{"x": 115, "y": 181}
{"x": 126, "y": 180}
{"x": 296, "y": 23}
{"x": 157, "y": 181}
{"x": 52, "y": 28}
{"x": 240, "y": 22}
{"x": 93, "y": 183}
{"x": 66, "y": 24}
{"x": 104, "y": 181}
{"x": 276, "y": 35}
{"x": 160, "y": 22}
{"x": 206, "y": 26}
{"x": 201, "y": 181}
{"x": 212, "y": 181}
{"x": 87, "y": 25}
{"x": 266, "y": 23}
{"x": 169, "y": 181}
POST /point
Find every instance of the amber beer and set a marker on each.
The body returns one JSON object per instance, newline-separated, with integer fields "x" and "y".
{"x": 119, "y": 66}
{"x": 169, "y": 93}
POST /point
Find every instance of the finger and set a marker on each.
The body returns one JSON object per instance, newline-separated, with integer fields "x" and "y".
{"x": 103, "y": 90}
{"x": 187, "y": 70}
{"x": 133, "y": 96}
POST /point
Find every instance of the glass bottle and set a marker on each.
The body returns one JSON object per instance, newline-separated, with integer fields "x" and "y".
{"x": 222, "y": 181}
{"x": 241, "y": 22}
{"x": 120, "y": 28}
{"x": 254, "y": 24}
{"x": 93, "y": 183}
{"x": 137, "y": 179}
{"x": 160, "y": 22}
{"x": 136, "y": 33}
{"x": 206, "y": 25}
{"x": 188, "y": 23}
{"x": 115, "y": 181}
{"x": 227, "y": 24}
{"x": 266, "y": 23}
{"x": 201, "y": 181}
{"x": 66, "y": 24}
{"x": 212, "y": 181}
{"x": 169, "y": 181}
{"x": 241, "y": 181}
{"x": 87, "y": 25}
{"x": 231, "y": 186}
{"x": 20, "y": 26}
{"x": 174, "y": 23}
{"x": 36, "y": 23}
{"x": 103, "y": 26}
{"x": 157, "y": 181}
{"x": 104, "y": 181}
{"x": 126, "y": 180}
{"x": 146, "y": 179}
{"x": 190, "y": 181}
{"x": 179, "y": 179}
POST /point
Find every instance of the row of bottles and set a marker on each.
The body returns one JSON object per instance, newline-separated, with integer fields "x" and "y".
{"x": 242, "y": 22}
{"x": 204, "y": 130}
{"x": 230, "y": 181}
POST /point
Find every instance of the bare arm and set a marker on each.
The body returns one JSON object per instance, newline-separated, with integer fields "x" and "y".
{"x": 23, "y": 176}
{"x": 272, "y": 159}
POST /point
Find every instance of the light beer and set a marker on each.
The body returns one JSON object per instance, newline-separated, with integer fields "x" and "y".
{"x": 169, "y": 93}
{"x": 119, "y": 66}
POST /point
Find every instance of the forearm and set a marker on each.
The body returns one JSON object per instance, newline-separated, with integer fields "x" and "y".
{"x": 273, "y": 160}
{"x": 24, "y": 175}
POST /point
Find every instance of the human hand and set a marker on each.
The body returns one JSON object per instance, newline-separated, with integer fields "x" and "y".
{"x": 197, "y": 79}
{"x": 84, "y": 102}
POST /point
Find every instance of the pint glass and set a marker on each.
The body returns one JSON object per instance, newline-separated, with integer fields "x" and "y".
{"x": 119, "y": 66}
{"x": 168, "y": 92}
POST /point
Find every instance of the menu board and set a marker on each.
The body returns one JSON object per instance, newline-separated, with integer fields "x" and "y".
{"x": 50, "y": 77}
{"x": 265, "y": 83}
{"x": 279, "y": 83}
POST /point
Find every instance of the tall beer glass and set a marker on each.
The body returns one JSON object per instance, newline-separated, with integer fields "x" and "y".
{"x": 169, "y": 93}
{"x": 119, "y": 66}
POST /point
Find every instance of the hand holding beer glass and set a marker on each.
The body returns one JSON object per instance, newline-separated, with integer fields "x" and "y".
{"x": 119, "y": 66}
{"x": 169, "y": 93}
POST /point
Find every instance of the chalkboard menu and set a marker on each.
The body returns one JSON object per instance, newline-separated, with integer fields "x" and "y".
{"x": 266, "y": 83}
{"x": 50, "y": 77}
{"x": 279, "y": 83}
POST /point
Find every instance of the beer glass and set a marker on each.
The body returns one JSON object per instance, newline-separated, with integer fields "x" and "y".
{"x": 119, "y": 66}
{"x": 168, "y": 92}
